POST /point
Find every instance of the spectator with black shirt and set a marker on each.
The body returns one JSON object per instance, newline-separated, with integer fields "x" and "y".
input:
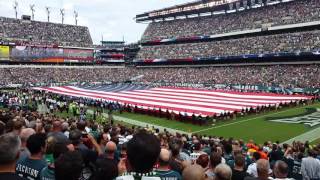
{"x": 89, "y": 156}
{"x": 69, "y": 166}
{"x": 289, "y": 159}
{"x": 105, "y": 169}
{"x": 275, "y": 155}
{"x": 238, "y": 172}
{"x": 143, "y": 151}
{"x": 296, "y": 170}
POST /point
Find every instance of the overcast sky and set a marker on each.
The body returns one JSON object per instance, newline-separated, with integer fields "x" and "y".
{"x": 111, "y": 18}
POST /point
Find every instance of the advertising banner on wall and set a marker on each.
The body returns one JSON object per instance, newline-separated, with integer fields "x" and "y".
{"x": 46, "y": 54}
{"x": 4, "y": 53}
{"x": 78, "y": 55}
{"x": 36, "y": 54}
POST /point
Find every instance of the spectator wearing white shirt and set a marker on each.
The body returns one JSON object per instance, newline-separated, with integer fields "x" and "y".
{"x": 310, "y": 166}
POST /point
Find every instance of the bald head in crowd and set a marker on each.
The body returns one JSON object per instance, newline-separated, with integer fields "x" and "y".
{"x": 111, "y": 148}
{"x": 65, "y": 126}
{"x": 193, "y": 172}
{"x": 223, "y": 172}
{"x": 25, "y": 134}
{"x": 164, "y": 157}
{"x": 280, "y": 170}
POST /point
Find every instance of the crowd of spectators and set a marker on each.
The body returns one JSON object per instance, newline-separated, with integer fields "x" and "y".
{"x": 286, "y": 76}
{"x": 43, "y": 33}
{"x": 59, "y": 75}
{"x": 287, "y": 42}
{"x": 276, "y": 75}
{"x": 298, "y": 11}
{"x": 45, "y": 146}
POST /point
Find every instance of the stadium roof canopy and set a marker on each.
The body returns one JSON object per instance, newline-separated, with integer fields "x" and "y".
{"x": 200, "y": 6}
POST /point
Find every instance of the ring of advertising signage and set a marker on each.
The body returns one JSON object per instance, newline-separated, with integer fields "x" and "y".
{"x": 190, "y": 8}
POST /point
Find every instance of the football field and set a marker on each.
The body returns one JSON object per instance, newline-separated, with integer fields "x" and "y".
{"x": 278, "y": 125}
{"x": 186, "y": 100}
{"x": 281, "y": 125}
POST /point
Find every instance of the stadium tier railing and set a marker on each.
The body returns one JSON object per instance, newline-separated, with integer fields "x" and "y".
{"x": 315, "y": 54}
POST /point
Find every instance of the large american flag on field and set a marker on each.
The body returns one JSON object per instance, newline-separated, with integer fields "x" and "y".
{"x": 190, "y": 101}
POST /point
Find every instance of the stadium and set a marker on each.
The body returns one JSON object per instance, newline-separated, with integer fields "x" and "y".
{"x": 214, "y": 89}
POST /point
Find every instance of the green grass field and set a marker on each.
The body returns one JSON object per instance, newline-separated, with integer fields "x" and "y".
{"x": 255, "y": 127}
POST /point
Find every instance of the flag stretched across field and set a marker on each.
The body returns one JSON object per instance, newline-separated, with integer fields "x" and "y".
{"x": 190, "y": 101}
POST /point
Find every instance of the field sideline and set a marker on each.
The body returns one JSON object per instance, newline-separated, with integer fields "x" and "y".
{"x": 250, "y": 127}
{"x": 255, "y": 127}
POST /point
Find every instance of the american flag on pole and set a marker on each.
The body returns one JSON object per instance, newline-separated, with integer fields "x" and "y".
{"x": 184, "y": 100}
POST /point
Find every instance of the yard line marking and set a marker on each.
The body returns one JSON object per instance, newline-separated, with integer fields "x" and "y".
{"x": 307, "y": 136}
{"x": 144, "y": 124}
{"x": 251, "y": 119}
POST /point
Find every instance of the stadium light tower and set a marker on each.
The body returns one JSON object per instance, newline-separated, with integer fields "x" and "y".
{"x": 75, "y": 17}
{"x": 15, "y": 7}
{"x": 48, "y": 13}
{"x": 32, "y": 10}
{"x": 62, "y": 15}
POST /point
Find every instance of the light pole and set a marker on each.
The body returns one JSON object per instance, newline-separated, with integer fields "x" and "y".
{"x": 76, "y": 17}
{"x": 15, "y": 7}
{"x": 62, "y": 15}
{"x": 32, "y": 10}
{"x": 48, "y": 13}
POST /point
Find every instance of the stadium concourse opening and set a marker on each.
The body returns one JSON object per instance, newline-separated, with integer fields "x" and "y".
{"x": 212, "y": 90}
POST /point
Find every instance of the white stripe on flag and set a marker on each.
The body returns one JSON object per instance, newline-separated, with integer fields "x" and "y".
{"x": 226, "y": 94}
{"x": 179, "y": 100}
{"x": 187, "y": 107}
